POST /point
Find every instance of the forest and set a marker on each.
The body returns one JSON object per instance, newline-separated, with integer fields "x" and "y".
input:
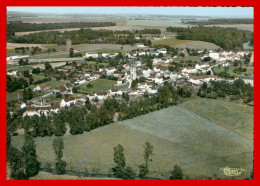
{"x": 237, "y": 90}
{"x": 220, "y": 21}
{"x": 81, "y": 36}
{"x": 226, "y": 38}
{"x": 13, "y": 27}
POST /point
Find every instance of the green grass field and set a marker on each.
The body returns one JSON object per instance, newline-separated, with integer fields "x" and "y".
{"x": 230, "y": 71}
{"x": 171, "y": 42}
{"x": 21, "y": 69}
{"x": 37, "y": 77}
{"x": 52, "y": 83}
{"x": 233, "y": 116}
{"x": 188, "y": 58}
{"x": 179, "y": 136}
{"x": 100, "y": 85}
{"x": 8, "y": 66}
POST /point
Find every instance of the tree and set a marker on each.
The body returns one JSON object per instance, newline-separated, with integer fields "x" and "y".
{"x": 16, "y": 159}
{"x": 59, "y": 127}
{"x": 88, "y": 104}
{"x": 58, "y": 146}
{"x": 177, "y": 173}
{"x": 89, "y": 86}
{"x": 119, "y": 160}
{"x": 47, "y": 66}
{"x": 27, "y": 95}
{"x": 71, "y": 52}
{"x": 74, "y": 89}
{"x": 32, "y": 165}
{"x": 148, "y": 152}
{"x": 120, "y": 170}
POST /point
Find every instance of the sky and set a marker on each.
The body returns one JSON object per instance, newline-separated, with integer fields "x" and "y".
{"x": 196, "y": 11}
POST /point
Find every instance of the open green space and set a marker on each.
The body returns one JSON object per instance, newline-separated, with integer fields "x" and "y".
{"x": 52, "y": 83}
{"x": 100, "y": 85}
{"x": 10, "y": 66}
{"x": 188, "y": 58}
{"x": 233, "y": 116}
{"x": 199, "y": 146}
{"x": 171, "y": 42}
{"x": 230, "y": 71}
{"x": 37, "y": 77}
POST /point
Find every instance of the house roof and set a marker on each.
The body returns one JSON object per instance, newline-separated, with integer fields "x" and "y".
{"x": 102, "y": 94}
{"x": 61, "y": 88}
{"x": 45, "y": 86}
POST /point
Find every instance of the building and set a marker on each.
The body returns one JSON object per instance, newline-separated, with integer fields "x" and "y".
{"x": 43, "y": 88}
{"x": 248, "y": 80}
{"x": 68, "y": 45}
{"x": 92, "y": 54}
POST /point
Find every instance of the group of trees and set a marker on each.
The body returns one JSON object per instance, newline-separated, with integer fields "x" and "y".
{"x": 237, "y": 90}
{"x": 22, "y": 62}
{"x": 79, "y": 37}
{"x": 226, "y": 38}
{"x": 221, "y": 21}
{"x": 87, "y": 118}
{"x": 14, "y": 83}
{"x": 13, "y": 27}
{"x": 23, "y": 164}
{"x": 44, "y": 126}
{"x": 127, "y": 172}
{"x": 58, "y": 146}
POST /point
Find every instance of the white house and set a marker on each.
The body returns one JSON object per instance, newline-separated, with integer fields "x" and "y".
{"x": 110, "y": 71}
{"x": 201, "y": 79}
{"x": 214, "y": 55}
{"x": 12, "y": 73}
{"x": 92, "y": 54}
{"x": 189, "y": 70}
{"x": 114, "y": 92}
{"x": 156, "y": 69}
{"x": 248, "y": 80}
{"x": 67, "y": 102}
{"x": 101, "y": 95}
{"x": 162, "y": 50}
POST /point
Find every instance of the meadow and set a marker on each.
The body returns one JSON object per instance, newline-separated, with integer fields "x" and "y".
{"x": 100, "y": 85}
{"x": 233, "y": 116}
{"x": 179, "y": 136}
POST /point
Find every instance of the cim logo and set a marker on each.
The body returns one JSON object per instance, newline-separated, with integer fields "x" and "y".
{"x": 232, "y": 171}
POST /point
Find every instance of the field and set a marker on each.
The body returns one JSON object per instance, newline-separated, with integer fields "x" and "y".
{"x": 183, "y": 44}
{"x": 157, "y": 23}
{"x": 230, "y": 71}
{"x": 249, "y": 27}
{"x": 10, "y": 66}
{"x": 188, "y": 58}
{"x": 200, "y": 45}
{"x": 179, "y": 136}
{"x": 233, "y": 116}
{"x": 100, "y": 85}
{"x": 171, "y": 42}
{"x": 37, "y": 77}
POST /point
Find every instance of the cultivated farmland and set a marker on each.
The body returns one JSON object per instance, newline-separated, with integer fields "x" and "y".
{"x": 233, "y": 116}
{"x": 179, "y": 136}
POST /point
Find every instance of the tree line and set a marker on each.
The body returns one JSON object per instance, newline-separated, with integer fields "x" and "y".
{"x": 220, "y": 21}
{"x": 226, "y": 38}
{"x": 87, "y": 118}
{"x": 79, "y": 37}
{"x": 13, "y": 27}
{"x": 235, "y": 91}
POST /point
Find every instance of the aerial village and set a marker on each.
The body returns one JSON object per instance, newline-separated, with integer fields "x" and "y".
{"x": 135, "y": 76}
